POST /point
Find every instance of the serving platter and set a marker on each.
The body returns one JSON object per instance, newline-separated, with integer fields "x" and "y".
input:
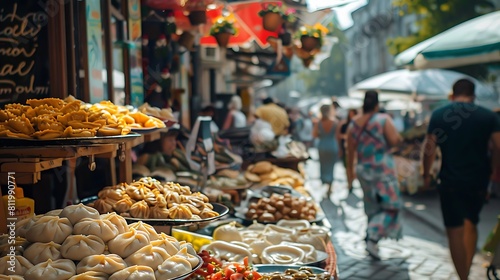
{"x": 240, "y": 213}
{"x": 272, "y": 268}
{"x": 68, "y": 141}
{"x": 219, "y": 208}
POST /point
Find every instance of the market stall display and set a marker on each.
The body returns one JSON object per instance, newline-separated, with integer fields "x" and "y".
{"x": 78, "y": 242}
{"x": 52, "y": 118}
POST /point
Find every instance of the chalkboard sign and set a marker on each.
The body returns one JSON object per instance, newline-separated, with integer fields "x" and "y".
{"x": 24, "y": 57}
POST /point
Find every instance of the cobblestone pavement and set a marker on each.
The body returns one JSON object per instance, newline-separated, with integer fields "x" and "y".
{"x": 408, "y": 258}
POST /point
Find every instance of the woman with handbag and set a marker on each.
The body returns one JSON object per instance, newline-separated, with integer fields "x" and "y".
{"x": 369, "y": 139}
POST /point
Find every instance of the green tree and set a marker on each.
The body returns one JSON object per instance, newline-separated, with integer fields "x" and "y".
{"x": 435, "y": 16}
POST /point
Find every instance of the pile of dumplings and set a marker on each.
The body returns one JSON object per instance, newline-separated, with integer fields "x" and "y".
{"x": 148, "y": 198}
{"x": 78, "y": 243}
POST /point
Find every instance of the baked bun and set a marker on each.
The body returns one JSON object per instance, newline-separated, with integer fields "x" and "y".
{"x": 90, "y": 275}
{"x": 75, "y": 213}
{"x": 173, "y": 267}
{"x": 77, "y": 247}
{"x": 149, "y": 256}
{"x": 147, "y": 229}
{"x": 104, "y": 229}
{"x": 262, "y": 167}
{"x": 118, "y": 221}
{"x": 49, "y": 228}
{"x": 40, "y": 252}
{"x": 136, "y": 272}
{"x": 53, "y": 270}
{"x": 21, "y": 265}
{"x": 127, "y": 243}
{"x": 108, "y": 264}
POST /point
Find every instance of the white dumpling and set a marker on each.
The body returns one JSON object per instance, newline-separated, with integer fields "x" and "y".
{"x": 108, "y": 264}
{"x": 49, "y": 228}
{"x": 75, "y": 213}
{"x": 55, "y": 212}
{"x": 189, "y": 247}
{"x": 20, "y": 265}
{"x": 193, "y": 260}
{"x": 128, "y": 242}
{"x": 148, "y": 256}
{"x": 77, "y": 247}
{"x": 136, "y": 272}
{"x": 11, "y": 277}
{"x": 173, "y": 267}
{"x": 24, "y": 225}
{"x": 148, "y": 229}
{"x": 167, "y": 245}
{"x": 103, "y": 229}
{"x": 90, "y": 275}
{"x": 53, "y": 270}
{"x": 118, "y": 221}
{"x": 41, "y": 252}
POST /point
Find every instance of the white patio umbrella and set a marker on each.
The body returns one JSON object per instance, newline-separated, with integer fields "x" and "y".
{"x": 472, "y": 42}
{"x": 416, "y": 85}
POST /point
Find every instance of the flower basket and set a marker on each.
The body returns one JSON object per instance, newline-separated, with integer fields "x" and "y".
{"x": 197, "y": 17}
{"x": 223, "y": 39}
{"x": 186, "y": 40}
{"x": 309, "y": 43}
{"x": 272, "y": 21}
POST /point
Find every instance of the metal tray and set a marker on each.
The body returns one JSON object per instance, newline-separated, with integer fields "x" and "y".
{"x": 71, "y": 141}
{"x": 239, "y": 214}
{"x": 219, "y": 208}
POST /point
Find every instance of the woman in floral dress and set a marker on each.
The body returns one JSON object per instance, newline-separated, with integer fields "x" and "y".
{"x": 370, "y": 137}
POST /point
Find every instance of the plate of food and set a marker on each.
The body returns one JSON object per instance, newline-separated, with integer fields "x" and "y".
{"x": 67, "y": 141}
{"x": 292, "y": 272}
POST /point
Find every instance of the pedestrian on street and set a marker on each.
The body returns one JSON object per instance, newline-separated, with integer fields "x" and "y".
{"x": 463, "y": 131}
{"x": 324, "y": 130}
{"x": 344, "y": 124}
{"x": 370, "y": 136}
{"x": 235, "y": 117}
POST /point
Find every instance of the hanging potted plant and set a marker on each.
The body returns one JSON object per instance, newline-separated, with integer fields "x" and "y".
{"x": 197, "y": 11}
{"x": 311, "y": 36}
{"x": 274, "y": 15}
{"x": 222, "y": 29}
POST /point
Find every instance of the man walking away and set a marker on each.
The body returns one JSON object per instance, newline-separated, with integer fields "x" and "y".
{"x": 463, "y": 131}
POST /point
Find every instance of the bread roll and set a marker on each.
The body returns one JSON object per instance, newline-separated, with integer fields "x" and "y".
{"x": 41, "y": 252}
{"x": 136, "y": 272}
{"x": 108, "y": 264}
{"x": 173, "y": 267}
{"x": 90, "y": 275}
{"x": 53, "y": 270}
{"x": 262, "y": 167}
{"x": 75, "y": 213}
{"x": 128, "y": 242}
{"x": 49, "y": 228}
{"x": 21, "y": 265}
{"x": 140, "y": 210}
{"x": 149, "y": 256}
{"x": 103, "y": 229}
{"x": 77, "y": 247}
{"x": 147, "y": 229}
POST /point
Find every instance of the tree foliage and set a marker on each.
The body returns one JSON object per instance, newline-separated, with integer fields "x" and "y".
{"x": 435, "y": 16}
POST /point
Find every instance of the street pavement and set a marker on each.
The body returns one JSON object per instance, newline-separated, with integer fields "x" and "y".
{"x": 422, "y": 253}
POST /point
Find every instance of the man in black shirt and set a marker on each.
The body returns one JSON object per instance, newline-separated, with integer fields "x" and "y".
{"x": 463, "y": 131}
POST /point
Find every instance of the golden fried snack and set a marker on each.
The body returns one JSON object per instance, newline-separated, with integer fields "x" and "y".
{"x": 54, "y": 102}
{"x": 154, "y": 122}
{"x": 82, "y": 132}
{"x": 10, "y": 134}
{"x": 6, "y": 115}
{"x": 71, "y": 107}
{"x": 139, "y": 117}
{"x": 17, "y": 109}
{"x": 41, "y": 111}
{"x": 126, "y": 119}
{"x": 47, "y": 134}
{"x": 80, "y": 115}
{"x": 47, "y": 122}
{"x": 110, "y": 130}
{"x": 20, "y": 125}
{"x": 88, "y": 125}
